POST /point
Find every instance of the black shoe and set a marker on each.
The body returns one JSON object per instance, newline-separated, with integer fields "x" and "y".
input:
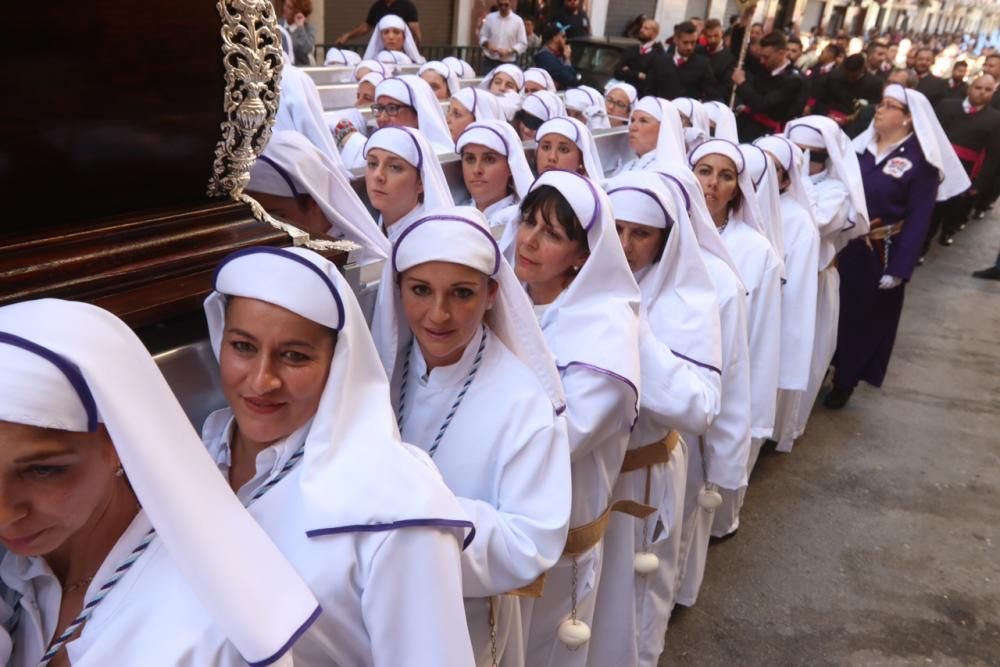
{"x": 992, "y": 273}
{"x": 837, "y": 398}
{"x": 946, "y": 240}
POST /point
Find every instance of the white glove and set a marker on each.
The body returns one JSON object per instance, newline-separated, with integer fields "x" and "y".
{"x": 889, "y": 282}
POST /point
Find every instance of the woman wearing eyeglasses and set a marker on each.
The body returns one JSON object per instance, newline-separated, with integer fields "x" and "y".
{"x": 907, "y": 164}
{"x": 408, "y": 101}
{"x": 619, "y": 100}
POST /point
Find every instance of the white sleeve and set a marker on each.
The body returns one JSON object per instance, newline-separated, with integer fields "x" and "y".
{"x": 521, "y": 39}
{"x": 798, "y": 309}
{"x": 682, "y": 395}
{"x": 525, "y": 535}
{"x": 484, "y": 31}
{"x": 764, "y": 339}
{"x": 598, "y": 408}
{"x": 832, "y": 206}
{"x": 412, "y": 603}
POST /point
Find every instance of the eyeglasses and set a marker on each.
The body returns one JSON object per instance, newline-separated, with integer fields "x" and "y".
{"x": 885, "y": 105}
{"x": 391, "y": 110}
{"x": 616, "y": 103}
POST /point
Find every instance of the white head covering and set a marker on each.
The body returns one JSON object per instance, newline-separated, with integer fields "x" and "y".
{"x": 462, "y": 69}
{"x": 602, "y": 302}
{"x": 411, "y": 89}
{"x": 627, "y": 88}
{"x": 286, "y": 45}
{"x": 375, "y": 66}
{"x": 300, "y": 109}
{"x": 352, "y": 442}
{"x": 700, "y": 129}
{"x": 291, "y": 166}
{"x": 764, "y": 178}
{"x": 461, "y": 235}
{"x": 748, "y": 212}
{"x": 376, "y": 45}
{"x": 451, "y": 80}
{"x": 513, "y": 71}
{"x": 578, "y": 133}
{"x": 678, "y": 294}
{"x": 590, "y": 103}
{"x": 543, "y": 105}
{"x": 410, "y": 145}
{"x": 934, "y": 143}
{"x": 499, "y": 136}
{"x": 69, "y": 366}
{"x": 820, "y": 132}
{"x": 394, "y": 57}
{"x": 725, "y": 121}
{"x": 373, "y": 78}
{"x": 793, "y": 161}
{"x": 480, "y": 103}
{"x": 344, "y": 57}
{"x": 670, "y": 141}
{"x": 541, "y": 77}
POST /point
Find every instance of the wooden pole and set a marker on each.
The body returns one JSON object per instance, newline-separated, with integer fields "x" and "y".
{"x": 743, "y": 51}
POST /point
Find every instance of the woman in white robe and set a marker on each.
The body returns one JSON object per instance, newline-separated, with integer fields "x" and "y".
{"x": 403, "y": 178}
{"x": 566, "y": 144}
{"x": 731, "y": 200}
{"x": 654, "y": 129}
{"x": 369, "y": 65}
{"x": 536, "y": 78}
{"x": 721, "y": 121}
{"x": 363, "y": 517}
{"x": 719, "y": 460}
{"x": 392, "y": 34}
{"x": 336, "y": 57}
{"x": 619, "y": 100}
{"x": 484, "y": 402}
{"x": 95, "y": 450}
{"x": 680, "y": 353}
{"x": 495, "y": 171}
{"x": 798, "y": 294}
{"x": 416, "y": 107}
{"x": 587, "y": 106}
{"x": 506, "y": 82}
{"x": 536, "y": 108}
{"x": 764, "y": 177}
{"x": 471, "y": 105}
{"x": 569, "y": 258}
{"x": 841, "y": 214}
{"x": 697, "y": 126}
{"x": 462, "y": 69}
{"x": 440, "y": 78}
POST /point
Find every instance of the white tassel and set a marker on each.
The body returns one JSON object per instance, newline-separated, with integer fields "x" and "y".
{"x": 573, "y": 634}
{"x": 709, "y": 498}
{"x": 646, "y": 563}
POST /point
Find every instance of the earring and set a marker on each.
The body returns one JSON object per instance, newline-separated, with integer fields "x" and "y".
{"x": 119, "y": 471}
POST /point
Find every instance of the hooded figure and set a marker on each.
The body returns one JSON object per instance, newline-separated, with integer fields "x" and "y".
{"x": 616, "y": 111}
{"x": 589, "y": 103}
{"x": 300, "y": 109}
{"x": 450, "y": 78}
{"x": 382, "y": 553}
{"x": 764, "y": 177}
{"x": 722, "y": 122}
{"x": 680, "y": 355}
{"x": 413, "y": 91}
{"x": 591, "y": 328}
{"x": 462, "y": 69}
{"x": 410, "y": 53}
{"x": 698, "y": 125}
{"x": 798, "y": 295}
{"x": 510, "y": 101}
{"x": 373, "y": 65}
{"x": 187, "y": 577}
{"x": 536, "y": 108}
{"x": 670, "y": 140}
{"x": 578, "y": 133}
{"x": 501, "y": 138}
{"x": 511, "y": 475}
{"x": 341, "y": 58}
{"x": 540, "y": 77}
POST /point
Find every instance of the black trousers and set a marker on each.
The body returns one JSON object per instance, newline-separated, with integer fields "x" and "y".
{"x": 948, "y": 216}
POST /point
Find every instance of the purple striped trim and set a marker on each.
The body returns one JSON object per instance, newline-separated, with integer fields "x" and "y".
{"x": 560, "y": 410}
{"x": 680, "y": 187}
{"x": 806, "y": 126}
{"x": 281, "y": 172}
{"x": 757, "y": 181}
{"x": 788, "y": 145}
{"x": 565, "y": 121}
{"x": 405, "y": 130}
{"x": 696, "y": 362}
{"x": 612, "y": 374}
{"x": 395, "y": 525}
{"x": 477, "y": 126}
{"x": 279, "y": 252}
{"x": 701, "y": 152}
{"x": 66, "y": 367}
{"x": 593, "y": 192}
{"x": 291, "y": 640}
{"x": 453, "y": 218}
{"x": 666, "y": 216}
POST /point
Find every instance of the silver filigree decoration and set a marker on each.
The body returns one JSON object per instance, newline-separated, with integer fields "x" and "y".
{"x": 251, "y": 47}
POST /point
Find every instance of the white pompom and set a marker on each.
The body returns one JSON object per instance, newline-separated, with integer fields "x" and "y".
{"x": 709, "y": 499}
{"x": 573, "y": 634}
{"x": 646, "y": 563}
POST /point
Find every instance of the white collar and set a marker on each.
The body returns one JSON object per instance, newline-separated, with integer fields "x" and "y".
{"x": 443, "y": 376}
{"x": 967, "y": 106}
{"x": 776, "y": 72}
{"x": 872, "y": 147}
{"x": 819, "y": 176}
{"x": 498, "y": 206}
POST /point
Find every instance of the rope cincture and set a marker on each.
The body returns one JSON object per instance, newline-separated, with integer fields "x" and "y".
{"x": 105, "y": 589}
{"x": 477, "y": 362}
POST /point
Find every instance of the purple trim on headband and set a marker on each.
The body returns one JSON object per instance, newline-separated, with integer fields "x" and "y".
{"x": 475, "y": 102}
{"x": 576, "y": 131}
{"x": 758, "y": 181}
{"x": 544, "y": 105}
{"x": 693, "y": 162}
{"x": 652, "y": 195}
{"x": 405, "y": 130}
{"x": 593, "y": 191}
{"x": 291, "y": 640}
{"x": 280, "y": 252}
{"x": 395, "y": 525}
{"x": 453, "y": 218}
{"x": 696, "y": 362}
{"x": 788, "y": 145}
{"x": 281, "y": 172}
{"x": 476, "y": 126}
{"x": 804, "y": 125}
{"x": 66, "y": 367}
{"x": 680, "y": 186}
{"x": 612, "y": 374}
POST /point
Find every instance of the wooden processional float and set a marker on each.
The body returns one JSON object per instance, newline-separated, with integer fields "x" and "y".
{"x": 126, "y": 142}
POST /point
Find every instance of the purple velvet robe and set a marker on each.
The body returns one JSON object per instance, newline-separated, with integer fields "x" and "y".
{"x": 902, "y": 187}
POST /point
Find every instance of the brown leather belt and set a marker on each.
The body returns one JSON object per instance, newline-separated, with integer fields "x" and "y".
{"x": 532, "y": 590}
{"x": 650, "y": 455}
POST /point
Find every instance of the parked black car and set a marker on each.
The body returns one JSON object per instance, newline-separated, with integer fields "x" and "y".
{"x": 595, "y": 58}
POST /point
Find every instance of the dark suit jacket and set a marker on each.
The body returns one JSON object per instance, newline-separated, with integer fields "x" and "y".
{"x": 633, "y": 63}
{"x": 976, "y": 131}
{"x": 780, "y": 98}
{"x": 934, "y": 88}
{"x": 722, "y": 63}
{"x": 959, "y": 91}
{"x": 692, "y": 79}
{"x": 837, "y": 93}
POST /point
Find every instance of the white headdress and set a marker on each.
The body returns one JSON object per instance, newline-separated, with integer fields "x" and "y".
{"x": 300, "y": 109}
{"x": 462, "y": 69}
{"x": 502, "y": 138}
{"x": 670, "y": 142}
{"x": 725, "y": 122}
{"x": 694, "y": 111}
{"x": 543, "y": 105}
{"x": 541, "y": 77}
{"x": 748, "y": 212}
{"x": 764, "y": 177}
{"x": 793, "y": 161}
{"x": 410, "y": 145}
{"x": 414, "y": 91}
{"x": 376, "y": 45}
{"x": 451, "y": 80}
{"x": 934, "y": 143}
{"x": 590, "y": 103}
{"x": 375, "y": 66}
{"x": 393, "y": 57}
{"x": 69, "y": 366}
{"x": 290, "y": 166}
{"x": 513, "y": 71}
{"x": 481, "y": 104}
{"x": 578, "y": 133}
{"x": 342, "y": 57}
{"x": 627, "y": 88}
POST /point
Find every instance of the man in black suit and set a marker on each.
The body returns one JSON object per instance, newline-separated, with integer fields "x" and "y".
{"x": 636, "y": 67}
{"x": 848, "y": 87}
{"x": 956, "y": 85}
{"x": 721, "y": 59}
{"x": 933, "y": 87}
{"x": 771, "y": 91}
{"x": 686, "y": 72}
{"x": 876, "y": 56}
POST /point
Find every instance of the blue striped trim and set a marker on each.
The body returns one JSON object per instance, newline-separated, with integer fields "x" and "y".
{"x": 395, "y": 525}
{"x": 291, "y": 640}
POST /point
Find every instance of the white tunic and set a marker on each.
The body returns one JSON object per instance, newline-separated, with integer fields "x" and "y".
{"x": 638, "y": 163}
{"x": 505, "y": 455}
{"x": 388, "y": 596}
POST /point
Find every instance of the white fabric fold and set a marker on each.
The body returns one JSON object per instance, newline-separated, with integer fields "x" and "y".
{"x": 725, "y": 122}
{"x": 764, "y": 177}
{"x": 670, "y": 141}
